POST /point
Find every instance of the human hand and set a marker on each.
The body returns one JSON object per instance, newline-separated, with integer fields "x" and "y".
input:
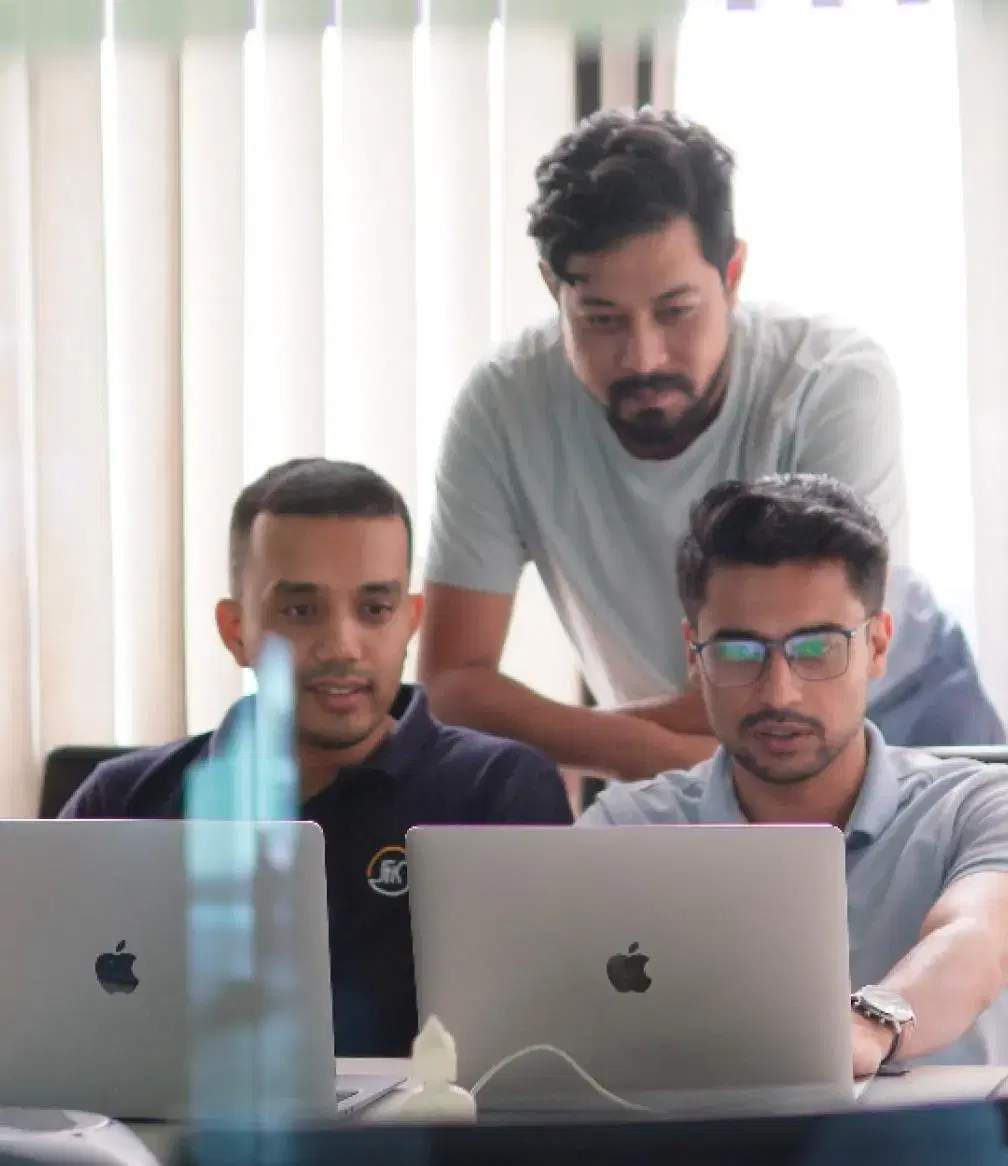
{"x": 871, "y": 1043}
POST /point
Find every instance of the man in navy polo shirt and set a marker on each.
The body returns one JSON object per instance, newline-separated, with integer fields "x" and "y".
{"x": 320, "y": 555}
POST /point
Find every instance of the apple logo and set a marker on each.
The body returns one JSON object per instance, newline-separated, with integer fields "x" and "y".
{"x": 627, "y": 973}
{"x": 114, "y": 970}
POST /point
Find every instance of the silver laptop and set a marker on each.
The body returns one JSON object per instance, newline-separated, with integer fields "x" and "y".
{"x": 168, "y": 970}
{"x": 699, "y": 969}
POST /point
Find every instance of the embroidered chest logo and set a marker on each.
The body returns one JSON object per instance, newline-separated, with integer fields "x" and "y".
{"x": 386, "y": 872}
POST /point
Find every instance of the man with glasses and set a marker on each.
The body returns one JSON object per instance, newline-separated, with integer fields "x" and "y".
{"x": 782, "y": 582}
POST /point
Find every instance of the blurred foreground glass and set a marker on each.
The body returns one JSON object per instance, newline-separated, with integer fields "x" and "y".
{"x": 239, "y": 910}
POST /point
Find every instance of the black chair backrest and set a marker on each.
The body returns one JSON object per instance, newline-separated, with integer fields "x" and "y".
{"x": 66, "y": 770}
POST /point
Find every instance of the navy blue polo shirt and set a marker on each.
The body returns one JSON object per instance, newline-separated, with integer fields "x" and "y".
{"x": 423, "y": 773}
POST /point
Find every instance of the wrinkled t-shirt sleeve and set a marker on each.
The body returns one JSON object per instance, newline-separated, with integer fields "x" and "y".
{"x": 850, "y": 427}
{"x": 980, "y": 834}
{"x": 475, "y": 541}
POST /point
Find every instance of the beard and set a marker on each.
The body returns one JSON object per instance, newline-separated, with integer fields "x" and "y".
{"x": 827, "y": 749}
{"x": 652, "y": 433}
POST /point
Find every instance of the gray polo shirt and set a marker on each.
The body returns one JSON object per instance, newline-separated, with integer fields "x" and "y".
{"x": 531, "y": 472}
{"x": 918, "y": 825}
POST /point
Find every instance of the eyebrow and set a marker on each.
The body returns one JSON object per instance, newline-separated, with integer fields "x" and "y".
{"x": 292, "y": 588}
{"x": 673, "y": 293}
{"x": 388, "y": 588}
{"x": 749, "y": 634}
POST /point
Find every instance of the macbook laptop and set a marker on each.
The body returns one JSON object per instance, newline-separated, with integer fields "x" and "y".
{"x": 701, "y": 969}
{"x": 169, "y": 970}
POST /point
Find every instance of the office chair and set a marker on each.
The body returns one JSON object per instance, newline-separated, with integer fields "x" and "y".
{"x": 66, "y": 769}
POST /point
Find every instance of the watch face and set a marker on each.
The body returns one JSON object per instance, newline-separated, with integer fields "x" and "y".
{"x": 889, "y": 1003}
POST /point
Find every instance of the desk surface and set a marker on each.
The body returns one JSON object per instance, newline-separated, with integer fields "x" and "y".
{"x": 925, "y": 1086}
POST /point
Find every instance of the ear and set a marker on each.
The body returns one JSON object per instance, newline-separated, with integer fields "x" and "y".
{"x": 693, "y": 672}
{"x": 416, "y": 610}
{"x": 880, "y": 632}
{"x": 551, "y": 281}
{"x": 229, "y": 627}
{"x": 736, "y": 268}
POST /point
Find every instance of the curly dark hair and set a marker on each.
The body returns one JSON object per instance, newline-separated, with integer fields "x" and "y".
{"x": 623, "y": 173}
{"x": 783, "y": 518}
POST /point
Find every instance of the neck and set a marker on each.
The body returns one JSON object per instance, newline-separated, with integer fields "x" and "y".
{"x": 828, "y": 797}
{"x": 319, "y": 765}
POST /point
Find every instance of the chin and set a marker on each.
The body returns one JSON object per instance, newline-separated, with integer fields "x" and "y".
{"x": 342, "y": 735}
{"x": 774, "y": 771}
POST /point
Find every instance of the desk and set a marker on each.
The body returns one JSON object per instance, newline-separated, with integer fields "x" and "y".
{"x": 925, "y": 1086}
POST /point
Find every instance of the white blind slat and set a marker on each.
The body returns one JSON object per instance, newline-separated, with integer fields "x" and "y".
{"x": 455, "y": 205}
{"x": 212, "y": 357}
{"x": 18, "y": 765}
{"x": 538, "y": 109}
{"x": 145, "y": 396}
{"x": 76, "y": 649}
{"x": 284, "y": 377}
{"x": 370, "y": 273}
{"x": 618, "y": 66}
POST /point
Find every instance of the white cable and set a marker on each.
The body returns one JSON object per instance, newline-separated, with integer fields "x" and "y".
{"x": 860, "y": 1087}
{"x": 567, "y": 1059}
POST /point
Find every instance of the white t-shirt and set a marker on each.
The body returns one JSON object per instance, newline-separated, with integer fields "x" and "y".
{"x": 531, "y": 470}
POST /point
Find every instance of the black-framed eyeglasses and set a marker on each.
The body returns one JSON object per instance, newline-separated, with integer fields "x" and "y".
{"x": 730, "y": 661}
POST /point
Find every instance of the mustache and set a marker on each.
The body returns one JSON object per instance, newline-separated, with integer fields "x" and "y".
{"x": 780, "y": 717}
{"x": 336, "y": 672}
{"x": 627, "y": 387}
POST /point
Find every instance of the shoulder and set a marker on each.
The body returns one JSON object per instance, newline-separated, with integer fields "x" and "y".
{"x": 817, "y": 341}
{"x": 499, "y": 757}
{"x": 516, "y": 378}
{"x": 949, "y": 786}
{"x": 500, "y": 780}
{"x": 808, "y": 358}
{"x": 142, "y": 783}
{"x": 671, "y": 799}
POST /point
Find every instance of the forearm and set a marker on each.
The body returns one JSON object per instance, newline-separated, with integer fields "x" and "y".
{"x": 950, "y": 977}
{"x": 679, "y": 713}
{"x": 596, "y": 741}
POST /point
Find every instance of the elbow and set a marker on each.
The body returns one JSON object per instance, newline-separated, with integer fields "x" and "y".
{"x": 990, "y": 966}
{"x": 449, "y": 690}
{"x": 999, "y": 969}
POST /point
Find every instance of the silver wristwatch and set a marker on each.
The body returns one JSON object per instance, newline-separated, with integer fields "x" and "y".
{"x": 887, "y": 1008}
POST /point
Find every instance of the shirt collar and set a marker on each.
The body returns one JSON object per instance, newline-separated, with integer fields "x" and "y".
{"x": 414, "y": 730}
{"x": 878, "y": 800}
{"x": 719, "y": 805}
{"x": 874, "y": 809}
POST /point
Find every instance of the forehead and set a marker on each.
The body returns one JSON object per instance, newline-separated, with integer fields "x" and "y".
{"x": 336, "y": 553}
{"x": 644, "y": 267}
{"x": 773, "y": 601}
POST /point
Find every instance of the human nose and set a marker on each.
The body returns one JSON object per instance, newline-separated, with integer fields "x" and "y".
{"x": 645, "y": 349}
{"x": 781, "y": 689}
{"x": 341, "y": 639}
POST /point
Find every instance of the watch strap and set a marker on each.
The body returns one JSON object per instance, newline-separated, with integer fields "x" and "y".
{"x": 897, "y": 1032}
{"x": 863, "y": 1008}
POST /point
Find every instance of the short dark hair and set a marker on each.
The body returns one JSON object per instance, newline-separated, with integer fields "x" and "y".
{"x": 623, "y": 173}
{"x": 308, "y": 488}
{"x": 786, "y": 518}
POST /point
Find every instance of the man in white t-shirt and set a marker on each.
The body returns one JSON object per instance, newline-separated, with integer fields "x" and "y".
{"x": 581, "y": 445}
